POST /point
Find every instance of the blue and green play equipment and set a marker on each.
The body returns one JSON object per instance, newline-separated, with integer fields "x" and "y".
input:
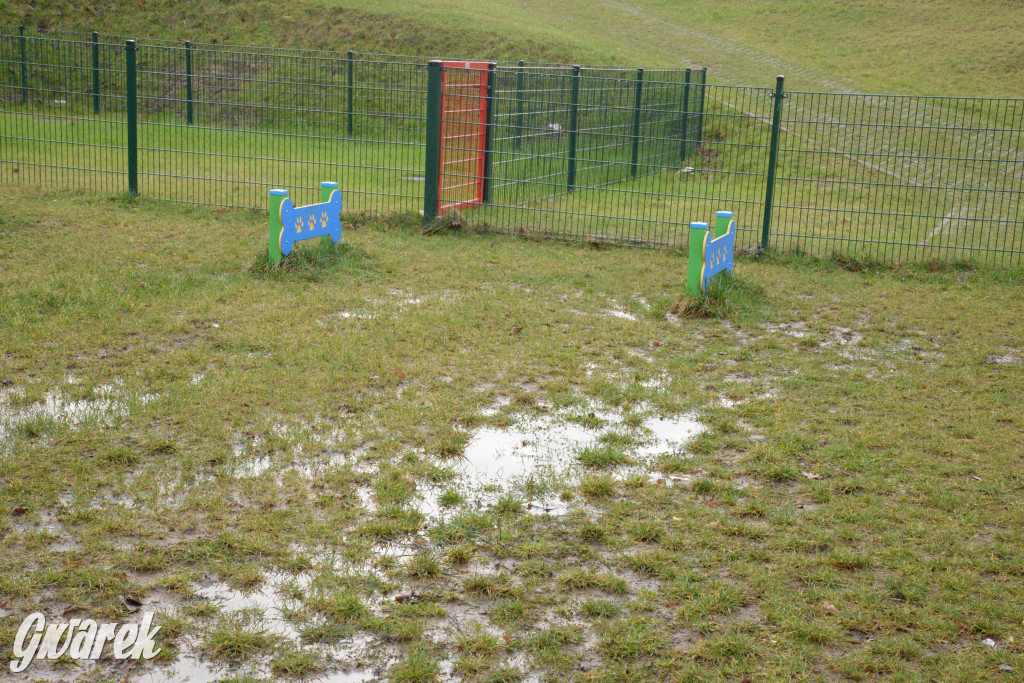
{"x": 290, "y": 224}
{"x": 710, "y": 255}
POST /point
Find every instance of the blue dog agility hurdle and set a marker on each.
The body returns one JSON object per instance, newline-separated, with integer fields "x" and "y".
{"x": 710, "y": 255}
{"x": 290, "y": 224}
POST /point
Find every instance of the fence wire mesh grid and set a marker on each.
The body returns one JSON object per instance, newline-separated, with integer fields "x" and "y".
{"x": 605, "y": 154}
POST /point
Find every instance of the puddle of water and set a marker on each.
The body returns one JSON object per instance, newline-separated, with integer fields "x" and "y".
{"x": 795, "y": 329}
{"x": 532, "y": 445}
{"x": 348, "y": 661}
{"x": 619, "y": 313}
{"x": 350, "y": 314}
{"x": 109, "y": 406}
{"x": 846, "y": 337}
{"x": 495, "y": 407}
{"x": 349, "y": 657}
{"x": 548, "y": 445}
{"x": 669, "y": 434}
{"x": 659, "y": 382}
{"x": 268, "y": 601}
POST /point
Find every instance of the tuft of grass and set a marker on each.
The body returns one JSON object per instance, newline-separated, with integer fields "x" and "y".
{"x": 238, "y": 637}
{"x": 509, "y": 612}
{"x": 597, "y": 485}
{"x": 314, "y": 263}
{"x": 602, "y": 457}
{"x": 420, "y": 666}
{"x": 487, "y": 585}
{"x": 592, "y": 533}
{"x": 647, "y": 532}
{"x": 460, "y": 555}
{"x": 653, "y": 563}
{"x": 449, "y": 222}
{"x": 599, "y": 609}
{"x": 477, "y": 640}
{"x": 338, "y": 605}
{"x": 508, "y": 504}
{"x": 504, "y": 673}
{"x": 582, "y": 579}
{"x": 726, "y": 297}
{"x": 296, "y": 662}
{"x": 424, "y": 565}
{"x": 451, "y": 498}
{"x": 630, "y": 639}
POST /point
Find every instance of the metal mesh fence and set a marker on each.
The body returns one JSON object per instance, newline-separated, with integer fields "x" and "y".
{"x": 900, "y": 177}
{"x": 595, "y": 153}
{"x": 619, "y": 157}
{"x": 220, "y": 127}
{"x": 63, "y": 113}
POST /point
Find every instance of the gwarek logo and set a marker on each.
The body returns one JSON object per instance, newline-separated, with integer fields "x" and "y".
{"x": 81, "y": 639}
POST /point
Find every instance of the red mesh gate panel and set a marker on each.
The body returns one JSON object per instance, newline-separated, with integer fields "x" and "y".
{"x": 463, "y": 135}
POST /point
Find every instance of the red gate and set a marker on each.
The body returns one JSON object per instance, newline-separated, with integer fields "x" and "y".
{"x": 463, "y": 135}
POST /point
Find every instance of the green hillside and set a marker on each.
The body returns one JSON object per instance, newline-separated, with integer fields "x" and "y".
{"x": 954, "y": 47}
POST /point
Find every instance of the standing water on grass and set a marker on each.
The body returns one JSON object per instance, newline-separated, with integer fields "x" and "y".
{"x": 550, "y": 444}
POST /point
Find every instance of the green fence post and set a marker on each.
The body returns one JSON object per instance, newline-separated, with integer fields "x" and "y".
{"x": 133, "y": 123}
{"x": 188, "y": 82}
{"x": 520, "y": 77}
{"x": 574, "y": 107}
{"x": 773, "y": 154}
{"x": 95, "y": 72}
{"x": 489, "y": 132}
{"x": 700, "y": 105}
{"x": 695, "y": 262}
{"x": 351, "y": 84}
{"x": 24, "y": 64}
{"x": 637, "y": 99}
{"x": 686, "y": 117}
{"x": 432, "y": 169}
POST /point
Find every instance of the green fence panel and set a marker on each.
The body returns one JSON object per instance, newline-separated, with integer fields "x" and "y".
{"x": 603, "y": 154}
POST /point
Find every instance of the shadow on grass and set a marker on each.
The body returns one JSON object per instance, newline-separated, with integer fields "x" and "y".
{"x": 726, "y": 297}
{"x": 315, "y": 263}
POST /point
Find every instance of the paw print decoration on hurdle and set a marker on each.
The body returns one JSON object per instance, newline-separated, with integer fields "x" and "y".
{"x": 290, "y": 224}
{"x": 709, "y": 254}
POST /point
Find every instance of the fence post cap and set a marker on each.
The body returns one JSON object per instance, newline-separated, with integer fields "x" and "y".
{"x": 329, "y": 183}
{"x": 278, "y": 193}
{"x": 697, "y": 225}
{"x": 723, "y": 214}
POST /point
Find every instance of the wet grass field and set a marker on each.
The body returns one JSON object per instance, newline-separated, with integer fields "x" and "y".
{"x": 478, "y": 457}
